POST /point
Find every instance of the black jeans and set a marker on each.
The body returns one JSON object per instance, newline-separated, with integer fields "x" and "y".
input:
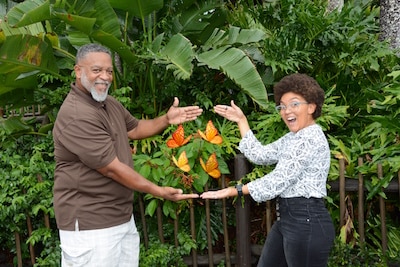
{"x": 302, "y": 236}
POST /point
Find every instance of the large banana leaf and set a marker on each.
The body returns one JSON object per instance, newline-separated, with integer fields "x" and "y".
{"x": 138, "y": 8}
{"x": 196, "y": 18}
{"x": 234, "y": 36}
{"x": 179, "y": 53}
{"x": 94, "y": 19}
{"x": 234, "y": 63}
{"x": 29, "y": 12}
{"x": 21, "y": 58}
{"x": 116, "y": 45}
{"x": 14, "y": 126}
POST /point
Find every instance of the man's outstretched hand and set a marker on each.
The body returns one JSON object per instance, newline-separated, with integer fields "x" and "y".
{"x": 178, "y": 115}
{"x": 175, "y": 194}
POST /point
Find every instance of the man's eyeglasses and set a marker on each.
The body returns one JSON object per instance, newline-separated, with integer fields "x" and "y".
{"x": 292, "y": 106}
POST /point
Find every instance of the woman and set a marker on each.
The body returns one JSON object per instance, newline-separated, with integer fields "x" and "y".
{"x": 303, "y": 233}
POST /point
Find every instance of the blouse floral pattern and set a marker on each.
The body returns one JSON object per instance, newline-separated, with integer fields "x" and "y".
{"x": 302, "y": 164}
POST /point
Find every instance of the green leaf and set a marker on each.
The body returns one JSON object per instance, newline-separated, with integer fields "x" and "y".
{"x": 179, "y": 53}
{"x": 29, "y": 12}
{"x": 115, "y": 44}
{"x": 22, "y": 57}
{"x": 138, "y": 8}
{"x": 151, "y": 207}
{"x": 197, "y": 17}
{"x": 145, "y": 170}
{"x": 234, "y": 63}
{"x": 14, "y": 125}
{"x": 27, "y": 53}
{"x": 169, "y": 209}
{"x": 84, "y": 24}
{"x": 235, "y": 35}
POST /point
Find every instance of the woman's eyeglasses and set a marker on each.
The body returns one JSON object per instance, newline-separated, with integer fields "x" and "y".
{"x": 292, "y": 106}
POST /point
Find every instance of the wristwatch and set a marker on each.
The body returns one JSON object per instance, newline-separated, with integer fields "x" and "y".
{"x": 239, "y": 189}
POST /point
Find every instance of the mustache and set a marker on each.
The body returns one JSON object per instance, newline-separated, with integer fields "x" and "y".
{"x": 102, "y": 82}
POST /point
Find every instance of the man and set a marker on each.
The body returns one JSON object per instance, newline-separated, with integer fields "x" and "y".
{"x": 94, "y": 176}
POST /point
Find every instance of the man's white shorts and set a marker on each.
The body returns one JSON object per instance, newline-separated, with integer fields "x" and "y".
{"x": 117, "y": 246}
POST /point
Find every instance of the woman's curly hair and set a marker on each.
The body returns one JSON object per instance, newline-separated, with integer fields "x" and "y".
{"x": 303, "y": 85}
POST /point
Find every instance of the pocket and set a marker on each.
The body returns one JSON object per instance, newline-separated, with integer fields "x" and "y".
{"x": 299, "y": 215}
{"x": 76, "y": 257}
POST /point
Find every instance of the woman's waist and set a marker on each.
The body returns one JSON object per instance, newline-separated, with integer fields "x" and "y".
{"x": 299, "y": 202}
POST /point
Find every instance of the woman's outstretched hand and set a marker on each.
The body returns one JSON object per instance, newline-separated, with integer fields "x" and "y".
{"x": 235, "y": 114}
{"x": 223, "y": 193}
{"x": 232, "y": 112}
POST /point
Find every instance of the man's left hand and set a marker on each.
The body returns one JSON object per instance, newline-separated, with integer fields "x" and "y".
{"x": 179, "y": 115}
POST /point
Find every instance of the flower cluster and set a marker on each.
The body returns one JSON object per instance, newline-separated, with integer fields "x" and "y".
{"x": 183, "y": 162}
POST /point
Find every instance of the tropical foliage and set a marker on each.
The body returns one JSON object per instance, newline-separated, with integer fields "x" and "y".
{"x": 204, "y": 52}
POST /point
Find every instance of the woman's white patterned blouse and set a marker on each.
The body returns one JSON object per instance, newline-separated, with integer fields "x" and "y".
{"x": 302, "y": 164}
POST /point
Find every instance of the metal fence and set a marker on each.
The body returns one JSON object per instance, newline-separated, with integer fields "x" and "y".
{"x": 246, "y": 253}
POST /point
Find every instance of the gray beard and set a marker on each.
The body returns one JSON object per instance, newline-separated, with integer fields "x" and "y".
{"x": 92, "y": 89}
{"x": 98, "y": 97}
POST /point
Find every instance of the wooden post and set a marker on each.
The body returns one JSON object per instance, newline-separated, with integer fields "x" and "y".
{"x": 342, "y": 191}
{"x": 18, "y": 248}
{"x": 31, "y": 248}
{"x": 268, "y": 215}
{"x": 193, "y": 231}
{"x": 209, "y": 238}
{"x": 398, "y": 184}
{"x": 382, "y": 209}
{"x": 225, "y": 225}
{"x": 46, "y": 216}
{"x": 143, "y": 218}
{"x": 243, "y": 247}
{"x": 176, "y": 229}
{"x": 160, "y": 223}
{"x": 361, "y": 204}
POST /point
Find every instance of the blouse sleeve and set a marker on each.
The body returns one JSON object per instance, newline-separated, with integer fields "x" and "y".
{"x": 258, "y": 153}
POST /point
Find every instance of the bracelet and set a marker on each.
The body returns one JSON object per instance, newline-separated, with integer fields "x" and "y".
{"x": 239, "y": 189}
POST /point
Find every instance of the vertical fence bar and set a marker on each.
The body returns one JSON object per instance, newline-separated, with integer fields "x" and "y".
{"x": 361, "y": 230}
{"x": 143, "y": 218}
{"x": 31, "y": 248}
{"x": 176, "y": 229}
{"x": 18, "y": 248}
{"x": 209, "y": 238}
{"x": 398, "y": 183}
{"x": 193, "y": 231}
{"x": 268, "y": 216}
{"x": 160, "y": 223}
{"x": 46, "y": 216}
{"x": 243, "y": 257}
{"x": 342, "y": 191}
{"x": 225, "y": 225}
{"x": 383, "y": 214}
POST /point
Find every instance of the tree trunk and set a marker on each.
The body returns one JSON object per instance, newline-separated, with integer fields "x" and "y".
{"x": 390, "y": 22}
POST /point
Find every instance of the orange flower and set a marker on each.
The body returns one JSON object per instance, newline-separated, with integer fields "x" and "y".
{"x": 211, "y": 166}
{"x": 182, "y": 162}
{"x": 211, "y": 135}
{"x": 178, "y": 138}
